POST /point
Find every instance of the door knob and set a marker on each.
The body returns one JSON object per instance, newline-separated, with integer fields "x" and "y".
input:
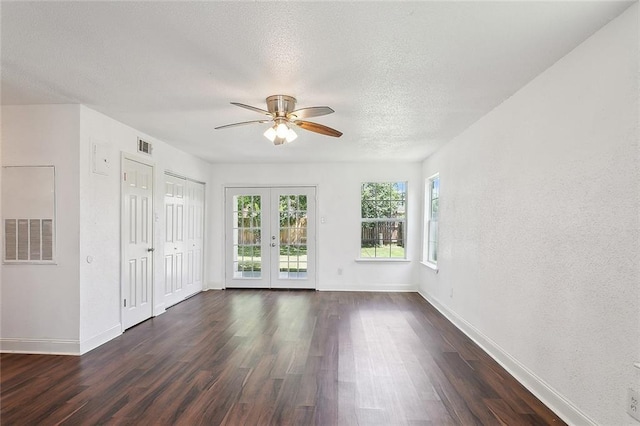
{"x": 273, "y": 244}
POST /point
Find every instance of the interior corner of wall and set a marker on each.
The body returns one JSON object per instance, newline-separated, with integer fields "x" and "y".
{"x": 100, "y": 338}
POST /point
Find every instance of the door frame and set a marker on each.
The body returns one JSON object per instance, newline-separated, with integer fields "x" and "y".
{"x": 226, "y": 234}
{"x": 131, "y": 157}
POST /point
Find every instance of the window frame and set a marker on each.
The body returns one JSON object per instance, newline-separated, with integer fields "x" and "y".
{"x": 394, "y": 219}
{"x": 428, "y": 220}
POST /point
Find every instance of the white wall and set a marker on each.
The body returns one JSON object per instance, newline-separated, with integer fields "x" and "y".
{"x": 339, "y": 203}
{"x": 40, "y": 303}
{"x": 539, "y": 253}
{"x": 100, "y": 220}
{"x": 74, "y": 306}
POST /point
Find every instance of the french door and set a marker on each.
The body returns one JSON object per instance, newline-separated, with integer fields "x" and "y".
{"x": 270, "y": 237}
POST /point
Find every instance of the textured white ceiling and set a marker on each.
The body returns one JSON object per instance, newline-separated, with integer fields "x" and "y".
{"x": 403, "y": 77}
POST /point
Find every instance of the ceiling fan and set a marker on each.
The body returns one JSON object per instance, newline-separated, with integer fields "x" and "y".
{"x": 280, "y": 109}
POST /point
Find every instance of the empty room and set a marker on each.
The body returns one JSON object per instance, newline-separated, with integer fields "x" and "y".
{"x": 320, "y": 213}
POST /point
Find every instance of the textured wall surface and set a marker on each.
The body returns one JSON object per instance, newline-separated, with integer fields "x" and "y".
{"x": 74, "y": 305}
{"x": 100, "y": 219}
{"x": 339, "y": 203}
{"x": 539, "y": 247}
{"x": 40, "y": 302}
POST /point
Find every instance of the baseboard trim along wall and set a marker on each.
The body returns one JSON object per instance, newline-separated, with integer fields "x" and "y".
{"x": 545, "y": 393}
{"x": 40, "y": 346}
{"x": 100, "y": 339}
{"x": 389, "y": 288}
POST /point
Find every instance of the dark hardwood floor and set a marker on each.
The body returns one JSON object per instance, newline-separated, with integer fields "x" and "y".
{"x": 246, "y": 357}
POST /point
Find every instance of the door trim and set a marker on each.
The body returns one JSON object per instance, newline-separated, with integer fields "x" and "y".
{"x": 131, "y": 157}
{"x": 225, "y": 231}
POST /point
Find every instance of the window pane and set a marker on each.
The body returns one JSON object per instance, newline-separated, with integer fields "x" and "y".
{"x": 433, "y": 252}
{"x": 432, "y": 205}
{"x": 433, "y": 231}
{"x": 398, "y": 190}
{"x": 383, "y": 238}
{"x": 386, "y": 209}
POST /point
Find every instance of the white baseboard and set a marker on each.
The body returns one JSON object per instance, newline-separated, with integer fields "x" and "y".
{"x": 40, "y": 346}
{"x": 100, "y": 339}
{"x": 215, "y": 286}
{"x": 545, "y": 393}
{"x": 390, "y": 288}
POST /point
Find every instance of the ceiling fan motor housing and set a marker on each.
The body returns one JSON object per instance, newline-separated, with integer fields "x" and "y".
{"x": 281, "y": 105}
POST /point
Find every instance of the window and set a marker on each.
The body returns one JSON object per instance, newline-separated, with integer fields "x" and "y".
{"x": 432, "y": 197}
{"x": 383, "y": 224}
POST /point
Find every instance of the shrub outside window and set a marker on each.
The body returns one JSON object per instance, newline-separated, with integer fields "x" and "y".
{"x": 383, "y": 220}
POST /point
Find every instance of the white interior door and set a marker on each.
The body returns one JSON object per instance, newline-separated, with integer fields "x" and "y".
{"x": 195, "y": 238}
{"x": 174, "y": 239}
{"x": 137, "y": 242}
{"x": 270, "y": 237}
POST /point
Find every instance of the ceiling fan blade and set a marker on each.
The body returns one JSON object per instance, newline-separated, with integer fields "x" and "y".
{"x": 318, "y": 128}
{"x": 310, "y": 112}
{"x": 252, "y": 108}
{"x": 242, "y": 124}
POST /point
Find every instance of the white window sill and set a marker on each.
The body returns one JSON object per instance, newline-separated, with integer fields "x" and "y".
{"x": 431, "y": 266}
{"x": 381, "y": 259}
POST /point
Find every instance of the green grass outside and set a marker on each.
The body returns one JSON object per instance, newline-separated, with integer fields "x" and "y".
{"x": 392, "y": 251}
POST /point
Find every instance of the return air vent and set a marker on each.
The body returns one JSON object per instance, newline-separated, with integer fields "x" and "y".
{"x": 144, "y": 146}
{"x": 28, "y": 239}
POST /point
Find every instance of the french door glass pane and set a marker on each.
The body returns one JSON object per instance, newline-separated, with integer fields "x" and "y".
{"x": 246, "y": 236}
{"x": 292, "y": 261}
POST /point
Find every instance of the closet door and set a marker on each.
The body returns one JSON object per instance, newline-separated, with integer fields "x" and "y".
{"x": 174, "y": 240}
{"x": 194, "y": 243}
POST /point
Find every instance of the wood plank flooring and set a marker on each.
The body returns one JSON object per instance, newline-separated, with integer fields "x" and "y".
{"x": 259, "y": 357}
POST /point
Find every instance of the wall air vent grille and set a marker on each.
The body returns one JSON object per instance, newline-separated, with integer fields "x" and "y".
{"x": 144, "y": 146}
{"x": 28, "y": 240}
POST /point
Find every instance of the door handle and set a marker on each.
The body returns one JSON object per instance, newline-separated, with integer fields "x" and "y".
{"x": 273, "y": 244}
{"x": 150, "y": 249}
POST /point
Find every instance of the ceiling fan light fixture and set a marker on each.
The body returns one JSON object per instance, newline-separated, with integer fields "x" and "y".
{"x": 271, "y": 133}
{"x": 282, "y": 129}
{"x": 282, "y": 113}
{"x": 291, "y": 135}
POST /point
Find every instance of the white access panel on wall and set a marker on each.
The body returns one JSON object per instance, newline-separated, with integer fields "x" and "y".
{"x": 28, "y": 210}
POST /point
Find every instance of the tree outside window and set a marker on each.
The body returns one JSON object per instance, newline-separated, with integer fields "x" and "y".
{"x": 383, "y": 220}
